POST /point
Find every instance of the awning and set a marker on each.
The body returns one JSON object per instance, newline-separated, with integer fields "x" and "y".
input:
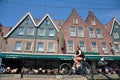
{"x": 54, "y": 56}
{"x": 36, "y": 56}
{"x": 106, "y": 57}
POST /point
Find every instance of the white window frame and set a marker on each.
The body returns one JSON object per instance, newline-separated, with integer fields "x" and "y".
{"x": 93, "y": 22}
{"x": 30, "y": 32}
{"x": 51, "y": 33}
{"x": 92, "y": 33}
{"x": 104, "y": 47}
{"x": 72, "y": 31}
{"x": 27, "y": 21}
{"x": 18, "y": 48}
{"x": 29, "y": 46}
{"x": 116, "y": 26}
{"x": 115, "y": 35}
{"x": 21, "y": 30}
{"x": 39, "y": 48}
{"x": 98, "y": 32}
{"x": 117, "y": 47}
{"x": 94, "y": 48}
{"x": 75, "y": 20}
{"x": 41, "y": 32}
{"x": 49, "y": 45}
{"x": 47, "y": 22}
{"x": 80, "y": 32}
{"x": 83, "y": 47}
{"x": 70, "y": 47}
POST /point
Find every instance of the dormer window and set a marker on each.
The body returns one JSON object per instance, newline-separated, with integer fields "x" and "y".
{"x": 116, "y": 26}
{"x": 75, "y": 20}
{"x": 47, "y": 22}
{"x": 93, "y": 22}
{"x": 27, "y": 21}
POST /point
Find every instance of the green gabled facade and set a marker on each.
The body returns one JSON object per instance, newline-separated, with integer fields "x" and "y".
{"x": 25, "y": 24}
{"x": 47, "y": 24}
{"x": 28, "y": 36}
{"x": 116, "y": 30}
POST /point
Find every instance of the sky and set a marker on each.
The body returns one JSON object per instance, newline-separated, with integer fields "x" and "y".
{"x": 11, "y": 11}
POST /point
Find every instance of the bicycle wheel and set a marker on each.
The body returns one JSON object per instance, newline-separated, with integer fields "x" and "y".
{"x": 2, "y": 69}
{"x": 65, "y": 69}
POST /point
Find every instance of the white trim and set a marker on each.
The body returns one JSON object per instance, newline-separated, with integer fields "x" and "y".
{"x": 28, "y": 14}
{"x": 47, "y": 15}
{"x": 113, "y": 24}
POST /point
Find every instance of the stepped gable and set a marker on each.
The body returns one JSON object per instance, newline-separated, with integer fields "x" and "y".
{"x": 74, "y": 15}
{"x": 90, "y": 17}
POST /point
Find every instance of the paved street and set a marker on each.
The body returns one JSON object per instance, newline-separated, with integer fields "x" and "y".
{"x": 54, "y": 77}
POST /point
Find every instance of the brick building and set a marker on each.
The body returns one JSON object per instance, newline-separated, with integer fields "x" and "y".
{"x": 90, "y": 35}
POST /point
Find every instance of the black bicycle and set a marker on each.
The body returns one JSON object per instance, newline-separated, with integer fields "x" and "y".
{"x": 83, "y": 69}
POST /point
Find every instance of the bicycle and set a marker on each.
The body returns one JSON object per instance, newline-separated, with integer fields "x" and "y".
{"x": 84, "y": 69}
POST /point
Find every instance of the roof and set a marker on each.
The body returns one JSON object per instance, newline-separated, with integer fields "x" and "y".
{"x": 36, "y": 22}
{"x": 110, "y": 25}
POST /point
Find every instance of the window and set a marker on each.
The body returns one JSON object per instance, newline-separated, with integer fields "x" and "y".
{"x": 30, "y": 31}
{"x": 116, "y": 35}
{"x": 94, "y": 47}
{"x": 117, "y": 47}
{"x": 82, "y": 46}
{"x": 41, "y": 32}
{"x": 50, "y": 47}
{"x": 104, "y": 47}
{"x": 99, "y": 34}
{"x": 28, "y": 46}
{"x": 93, "y": 22}
{"x": 27, "y": 21}
{"x": 116, "y": 26}
{"x": 47, "y": 22}
{"x": 18, "y": 45}
{"x": 72, "y": 31}
{"x": 75, "y": 20}
{"x": 70, "y": 47}
{"x": 51, "y": 32}
{"x": 80, "y": 32}
{"x": 21, "y": 31}
{"x": 40, "y": 46}
{"x": 92, "y": 33}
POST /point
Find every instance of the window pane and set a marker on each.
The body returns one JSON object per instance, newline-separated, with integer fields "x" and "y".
{"x": 99, "y": 35}
{"x": 51, "y": 32}
{"x": 104, "y": 47}
{"x": 93, "y": 22}
{"x": 41, "y": 32}
{"x": 18, "y": 45}
{"x": 116, "y": 35}
{"x": 92, "y": 34}
{"x": 70, "y": 46}
{"x": 82, "y": 46}
{"x": 50, "y": 47}
{"x": 40, "y": 46}
{"x": 30, "y": 31}
{"x": 21, "y": 31}
{"x": 28, "y": 46}
{"x": 80, "y": 32}
{"x": 75, "y": 20}
{"x": 117, "y": 49}
{"x": 27, "y": 21}
{"x": 94, "y": 47}
{"x": 72, "y": 31}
